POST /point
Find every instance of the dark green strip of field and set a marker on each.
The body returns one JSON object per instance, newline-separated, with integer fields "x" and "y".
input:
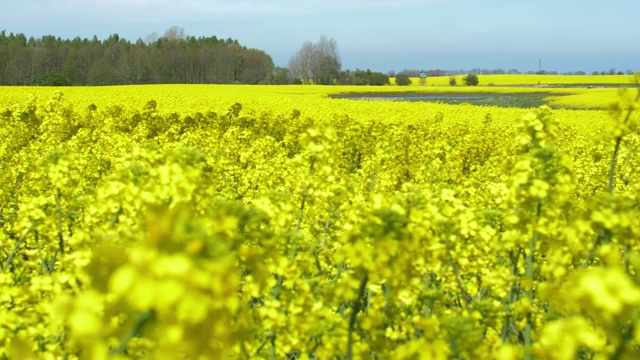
{"x": 520, "y": 100}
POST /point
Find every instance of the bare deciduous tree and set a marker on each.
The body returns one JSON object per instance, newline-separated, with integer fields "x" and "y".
{"x": 174, "y": 33}
{"x": 319, "y": 62}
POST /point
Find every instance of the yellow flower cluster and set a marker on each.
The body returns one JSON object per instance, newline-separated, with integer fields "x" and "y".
{"x": 301, "y": 227}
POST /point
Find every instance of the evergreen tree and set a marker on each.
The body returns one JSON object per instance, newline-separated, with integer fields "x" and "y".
{"x": 172, "y": 58}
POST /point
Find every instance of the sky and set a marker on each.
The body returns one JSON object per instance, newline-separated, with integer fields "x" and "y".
{"x": 380, "y": 35}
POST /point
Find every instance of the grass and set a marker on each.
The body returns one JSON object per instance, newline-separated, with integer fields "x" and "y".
{"x": 508, "y": 100}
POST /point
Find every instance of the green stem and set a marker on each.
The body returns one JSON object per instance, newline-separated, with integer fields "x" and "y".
{"x": 273, "y": 347}
{"x": 463, "y": 292}
{"x": 527, "y": 339}
{"x": 43, "y": 262}
{"x": 627, "y": 337}
{"x": 325, "y": 234}
{"x": 627, "y": 159}
{"x": 135, "y": 331}
{"x": 12, "y": 194}
{"x": 60, "y": 236}
{"x": 303, "y": 201}
{"x": 267, "y": 339}
{"x": 318, "y": 265}
{"x": 511, "y": 298}
{"x": 16, "y": 248}
{"x": 305, "y": 191}
{"x": 294, "y": 245}
{"x": 612, "y": 167}
{"x": 374, "y": 178}
{"x": 616, "y": 149}
{"x": 358, "y": 306}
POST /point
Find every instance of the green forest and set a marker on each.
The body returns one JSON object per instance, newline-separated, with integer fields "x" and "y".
{"x": 171, "y": 58}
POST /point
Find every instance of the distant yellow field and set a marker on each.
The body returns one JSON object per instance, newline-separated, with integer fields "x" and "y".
{"x": 528, "y": 79}
{"x": 310, "y": 101}
{"x": 590, "y": 98}
{"x": 202, "y": 98}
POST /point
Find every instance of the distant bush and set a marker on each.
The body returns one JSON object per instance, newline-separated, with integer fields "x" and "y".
{"x": 403, "y": 80}
{"x": 471, "y": 80}
{"x": 377, "y": 78}
{"x": 54, "y": 78}
{"x": 453, "y": 81}
{"x": 363, "y": 77}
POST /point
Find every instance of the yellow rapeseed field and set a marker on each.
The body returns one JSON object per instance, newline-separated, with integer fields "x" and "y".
{"x": 531, "y": 79}
{"x": 257, "y": 222}
{"x": 204, "y": 97}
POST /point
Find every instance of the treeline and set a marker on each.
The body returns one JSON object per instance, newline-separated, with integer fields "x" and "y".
{"x": 362, "y": 77}
{"x": 171, "y": 58}
{"x": 478, "y": 71}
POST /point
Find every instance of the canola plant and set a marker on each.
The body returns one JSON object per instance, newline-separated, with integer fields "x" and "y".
{"x": 299, "y": 227}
